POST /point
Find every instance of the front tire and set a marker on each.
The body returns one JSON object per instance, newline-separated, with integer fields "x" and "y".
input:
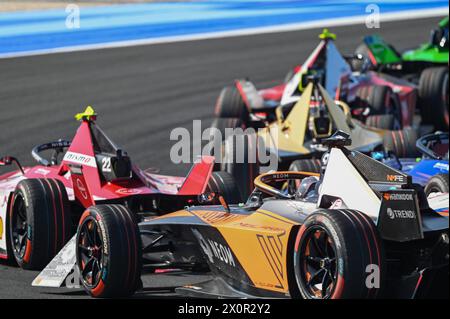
{"x": 241, "y": 161}
{"x": 336, "y": 251}
{"x": 109, "y": 251}
{"x": 437, "y": 184}
{"x": 224, "y": 184}
{"x": 39, "y": 223}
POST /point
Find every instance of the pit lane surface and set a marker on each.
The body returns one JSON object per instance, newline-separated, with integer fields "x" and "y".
{"x": 141, "y": 94}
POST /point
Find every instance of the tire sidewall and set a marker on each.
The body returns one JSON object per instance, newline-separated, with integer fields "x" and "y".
{"x": 92, "y": 213}
{"x": 336, "y": 235}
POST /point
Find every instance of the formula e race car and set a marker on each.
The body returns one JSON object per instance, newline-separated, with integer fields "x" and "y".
{"x": 40, "y": 204}
{"x": 434, "y": 160}
{"x": 359, "y": 230}
{"x": 426, "y": 66}
{"x": 367, "y": 93}
{"x": 297, "y": 131}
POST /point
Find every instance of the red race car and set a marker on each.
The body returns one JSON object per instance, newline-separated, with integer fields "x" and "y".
{"x": 40, "y": 205}
{"x": 379, "y": 100}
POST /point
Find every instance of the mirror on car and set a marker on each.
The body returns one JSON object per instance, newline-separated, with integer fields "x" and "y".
{"x": 207, "y": 198}
{"x": 4, "y": 161}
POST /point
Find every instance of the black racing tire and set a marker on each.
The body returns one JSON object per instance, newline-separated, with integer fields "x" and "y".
{"x": 437, "y": 184}
{"x": 306, "y": 165}
{"x": 384, "y": 122}
{"x": 40, "y": 222}
{"x": 402, "y": 143}
{"x": 434, "y": 96}
{"x": 241, "y": 161}
{"x": 109, "y": 251}
{"x": 363, "y": 50}
{"x": 221, "y": 124}
{"x": 339, "y": 245}
{"x": 381, "y": 99}
{"x": 224, "y": 184}
{"x": 230, "y": 104}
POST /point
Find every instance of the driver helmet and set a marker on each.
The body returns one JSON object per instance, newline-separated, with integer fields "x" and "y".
{"x": 307, "y": 186}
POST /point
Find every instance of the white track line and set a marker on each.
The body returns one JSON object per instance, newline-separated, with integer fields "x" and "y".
{"x": 384, "y": 17}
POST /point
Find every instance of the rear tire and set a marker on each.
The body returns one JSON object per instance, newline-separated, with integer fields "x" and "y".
{"x": 39, "y": 222}
{"x": 109, "y": 251}
{"x": 224, "y": 184}
{"x": 401, "y": 143}
{"x": 384, "y": 122}
{"x": 433, "y": 94}
{"x": 437, "y": 184}
{"x": 337, "y": 246}
{"x": 221, "y": 124}
{"x": 230, "y": 104}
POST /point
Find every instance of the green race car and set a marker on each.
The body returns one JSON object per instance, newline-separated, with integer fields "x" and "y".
{"x": 427, "y": 66}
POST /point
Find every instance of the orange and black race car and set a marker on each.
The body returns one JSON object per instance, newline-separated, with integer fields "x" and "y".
{"x": 359, "y": 229}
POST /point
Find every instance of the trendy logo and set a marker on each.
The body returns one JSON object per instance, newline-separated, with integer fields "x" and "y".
{"x": 400, "y": 213}
{"x": 390, "y": 213}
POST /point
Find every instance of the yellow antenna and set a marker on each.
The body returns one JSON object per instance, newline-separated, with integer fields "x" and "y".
{"x": 88, "y": 114}
{"x": 327, "y": 35}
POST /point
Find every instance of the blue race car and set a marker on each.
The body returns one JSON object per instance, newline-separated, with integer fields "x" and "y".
{"x": 434, "y": 160}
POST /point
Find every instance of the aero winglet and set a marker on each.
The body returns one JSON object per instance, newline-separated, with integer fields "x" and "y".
{"x": 197, "y": 179}
{"x": 56, "y": 272}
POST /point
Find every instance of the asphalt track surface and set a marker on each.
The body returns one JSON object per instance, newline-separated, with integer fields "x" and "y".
{"x": 141, "y": 94}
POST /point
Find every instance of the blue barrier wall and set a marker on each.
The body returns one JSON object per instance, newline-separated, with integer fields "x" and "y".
{"x": 46, "y": 30}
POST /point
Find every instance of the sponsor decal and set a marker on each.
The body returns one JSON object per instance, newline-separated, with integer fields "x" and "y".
{"x": 213, "y": 249}
{"x": 280, "y": 176}
{"x": 1, "y": 228}
{"x": 42, "y": 171}
{"x": 82, "y": 188}
{"x": 441, "y": 166}
{"x": 398, "y": 197}
{"x": 221, "y": 252}
{"x": 128, "y": 191}
{"x": 338, "y": 203}
{"x": 80, "y": 159}
{"x": 395, "y": 178}
{"x": 218, "y": 217}
{"x": 264, "y": 227}
{"x": 400, "y": 213}
{"x": 103, "y": 231}
{"x": 203, "y": 244}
